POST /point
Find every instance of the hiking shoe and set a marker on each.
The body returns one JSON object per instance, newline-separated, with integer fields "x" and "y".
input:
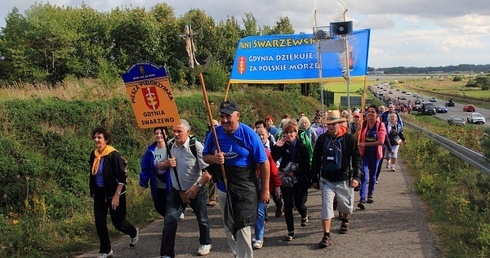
{"x": 204, "y": 250}
{"x": 344, "y": 227}
{"x": 104, "y": 255}
{"x": 134, "y": 240}
{"x": 289, "y": 237}
{"x": 279, "y": 211}
{"x": 370, "y": 199}
{"x": 304, "y": 221}
{"x": 258, "y": 244}
{"x": 326, "y": 241}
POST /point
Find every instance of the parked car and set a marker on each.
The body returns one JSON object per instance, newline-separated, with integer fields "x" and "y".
{"x": 441, "y": 109}
{"x": 456, "y": 120}
{"x": 419, "y": 101}
{"x": 433, "y": 99}
{"x": 409, "y": 93}
{"x": 403, "y": 98}
{"x": 427, "y": 108}
{"x": 469, "y": 108}
{"x": 450, "y": 103}
{"x": 475, "y": 118}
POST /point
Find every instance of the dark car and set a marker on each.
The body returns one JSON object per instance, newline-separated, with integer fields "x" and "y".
{"x": 427, "y": 108}
{"x": 450, "y": 103}
{"x": 469, "y": 108}
{"x": 441, "y": 109}
{"x": 456, "y": 120}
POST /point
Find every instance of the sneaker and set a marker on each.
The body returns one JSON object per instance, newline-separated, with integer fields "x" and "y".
{"x": 360, "y": 205}
{"x": 304, "y": 221}
{"x": 165, "y": 256}
{"x": 344, "y": 227}
{"x": 392, "y": 168}
{"x": 134, "y": 240}
{"x": 103, "y": 255}
{"x": 326, "y": 241}
{"x": 258, "y": 244}
{"x": 370, "y": 199}
{"x": 289, "y": 237}
{"x": 182, "y": 216}
{"x": 204, "y": 250}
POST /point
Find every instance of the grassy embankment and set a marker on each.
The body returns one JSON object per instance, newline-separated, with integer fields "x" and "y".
{"x": 44, "y": 152}
{"x": 45, "y": 147}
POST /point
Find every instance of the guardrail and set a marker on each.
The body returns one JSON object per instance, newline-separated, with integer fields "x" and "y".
{"x": 470, "y": 156}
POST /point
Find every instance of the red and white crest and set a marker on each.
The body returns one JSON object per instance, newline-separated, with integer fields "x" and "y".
{"x": 151, "y": 97}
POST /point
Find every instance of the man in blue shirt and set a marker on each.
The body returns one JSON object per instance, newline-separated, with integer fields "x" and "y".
{"x": 241, "y": 151}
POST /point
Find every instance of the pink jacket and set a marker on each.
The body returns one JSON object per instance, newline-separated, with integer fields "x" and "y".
{"x": 381, "y": 136}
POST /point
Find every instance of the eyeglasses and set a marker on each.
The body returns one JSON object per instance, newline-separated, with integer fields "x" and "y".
{"x": 98, "y": 137}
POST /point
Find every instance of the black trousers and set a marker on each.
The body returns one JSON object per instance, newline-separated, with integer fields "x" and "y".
{"x": 118, "y": 218}
{"x": 295, "y": 196}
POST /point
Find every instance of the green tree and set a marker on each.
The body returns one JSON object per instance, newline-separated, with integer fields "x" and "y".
{"x": 227, "y": 37}
{"x": 136, "y": 37}
{"x": 14, "y": 63}
{"x": 251, "y": 27}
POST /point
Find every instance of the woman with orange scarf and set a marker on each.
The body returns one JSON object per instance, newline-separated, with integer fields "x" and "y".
{"x": 107, "y": 188}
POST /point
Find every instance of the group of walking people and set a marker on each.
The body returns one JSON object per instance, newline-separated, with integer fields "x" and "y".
{"x": 336, "y": 154}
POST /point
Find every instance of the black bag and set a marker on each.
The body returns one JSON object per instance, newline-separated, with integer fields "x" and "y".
{"x": 332, "y": 155}
{"x": 286, "y": 180}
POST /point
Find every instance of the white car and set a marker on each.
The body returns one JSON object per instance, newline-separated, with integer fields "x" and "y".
{"x": 475, "y": 118}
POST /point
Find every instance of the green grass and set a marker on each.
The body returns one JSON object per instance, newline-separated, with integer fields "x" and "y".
{"x": 45, "y": 145}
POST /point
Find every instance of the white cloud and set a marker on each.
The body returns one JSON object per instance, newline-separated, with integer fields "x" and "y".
{"x": 403, "y": 33}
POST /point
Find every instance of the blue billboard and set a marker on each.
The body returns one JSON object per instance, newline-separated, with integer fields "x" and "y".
{"x": 293, "y": 58}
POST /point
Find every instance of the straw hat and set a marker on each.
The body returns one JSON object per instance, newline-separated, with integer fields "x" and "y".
{"x": 333, "y": 116}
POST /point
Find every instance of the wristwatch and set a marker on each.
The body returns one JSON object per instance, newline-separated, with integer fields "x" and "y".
{"x": 199, "y": 184}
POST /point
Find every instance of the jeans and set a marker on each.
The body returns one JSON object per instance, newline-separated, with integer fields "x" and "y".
{"x": 260, "y": 221}
{"x": 369, "y": 167}
{"x": 175, "y": 207}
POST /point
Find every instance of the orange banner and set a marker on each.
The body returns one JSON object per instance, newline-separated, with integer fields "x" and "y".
{"x": 153, "y": 102}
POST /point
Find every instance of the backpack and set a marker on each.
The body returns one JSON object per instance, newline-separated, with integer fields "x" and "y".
{"x": 306, "y": 141}
{"x": 332, "y": 155}
{"x": 192, "y": 145}
{"x": 377, "y": 125}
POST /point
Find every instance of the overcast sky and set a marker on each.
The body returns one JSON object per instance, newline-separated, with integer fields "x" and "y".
{"x": 416, "y": 33}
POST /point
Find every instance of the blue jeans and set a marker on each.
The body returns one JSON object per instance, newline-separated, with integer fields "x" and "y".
{"x": 369, "y": 168}
{"x": 260, "y": 221}
{"x": 175, "y": 207}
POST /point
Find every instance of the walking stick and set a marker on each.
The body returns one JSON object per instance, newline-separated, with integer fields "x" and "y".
{"x": 199, "y": 69}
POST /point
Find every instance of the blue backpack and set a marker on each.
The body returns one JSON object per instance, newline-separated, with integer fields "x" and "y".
{"x": 332, "y": 155}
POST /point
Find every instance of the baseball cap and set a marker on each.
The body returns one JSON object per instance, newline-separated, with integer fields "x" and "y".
{"x": 228, "y": 107}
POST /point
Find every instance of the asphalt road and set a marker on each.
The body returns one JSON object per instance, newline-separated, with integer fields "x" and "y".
{"x": 456, "y": 110}
{"x": 395, "y": 225}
